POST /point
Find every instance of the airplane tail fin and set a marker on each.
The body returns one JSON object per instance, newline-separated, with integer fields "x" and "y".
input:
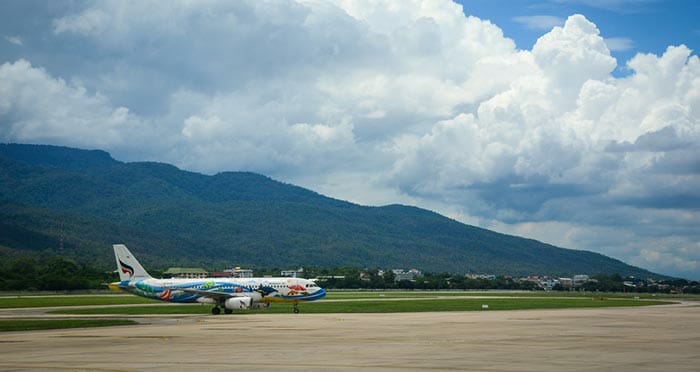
{"x": 127, "y": 265}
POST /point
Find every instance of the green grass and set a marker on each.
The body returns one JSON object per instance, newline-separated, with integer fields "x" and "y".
{"x": 456, "y": 304}
{"x": 139, "y": 310}
{"x": 33, "y": 325}
{"x": 127, "y": 299}
{"x": 68, "y": 300}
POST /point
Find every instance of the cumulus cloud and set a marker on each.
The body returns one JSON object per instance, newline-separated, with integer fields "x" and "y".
{"x": 382, "y": 102}
{"x": 35, "y": 107}
{"x": 617, "y": 44}
{"x": 539, "y": 22}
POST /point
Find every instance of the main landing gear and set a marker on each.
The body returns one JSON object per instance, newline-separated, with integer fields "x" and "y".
{"x": 217, "y": 310}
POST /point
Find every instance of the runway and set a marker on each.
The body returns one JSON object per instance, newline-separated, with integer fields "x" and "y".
{"x": 649, "y": 338}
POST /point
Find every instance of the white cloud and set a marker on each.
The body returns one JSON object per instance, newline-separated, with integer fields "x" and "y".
{"x": 35, "y": 107}
{"x": 573, "y": 54}
{"x": 539, "y": 22}
{"x": 382, "y": 101}
{"x": 89, "y": 22}
{"x": 618, "y": 6}
{"x": 618, "y": 44}
{"x": 16, "y": 40}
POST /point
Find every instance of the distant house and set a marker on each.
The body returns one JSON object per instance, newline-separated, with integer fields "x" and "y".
{"x": 186, "y": 272}
{"x": 481, "y": 276}
{"x": 237, "y": 272}
{"x": 566, "y": 282}
{"x": 293, "y": 273}
{"x": 548, "y": 284}
{"x": 400, "y": 274}
{"x": 580, "y": 280}
{"x": 329, "y": 277}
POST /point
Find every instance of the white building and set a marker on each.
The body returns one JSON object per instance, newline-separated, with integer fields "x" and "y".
{"x": 580, "y": 280}
{"x": 237, "y": 272}
{"x": 293, "y": 273}
{"x": 566, "y": 282}
{"x": 186, "y": 272}
{"x": 401, "y": 274}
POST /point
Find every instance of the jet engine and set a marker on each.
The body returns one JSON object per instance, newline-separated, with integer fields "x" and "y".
{"x": 238, "y": 303}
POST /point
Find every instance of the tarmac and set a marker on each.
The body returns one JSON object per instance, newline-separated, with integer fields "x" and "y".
{"x": 652, "y": 338}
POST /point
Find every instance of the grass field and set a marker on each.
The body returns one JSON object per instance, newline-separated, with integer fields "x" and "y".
{"x": 126, "y": 299}
{"x": 52, "y": 300}
{"x": 388, "y": 306}
{"x": 68, "y": 300}
{"x": 347, "y": 302}
{"x": 34, "y": 325}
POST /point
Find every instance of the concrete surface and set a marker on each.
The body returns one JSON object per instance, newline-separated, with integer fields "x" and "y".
{"x": 656, "y": 338}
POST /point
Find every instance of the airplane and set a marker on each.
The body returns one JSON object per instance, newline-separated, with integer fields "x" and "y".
{"x": 228, "y": 294}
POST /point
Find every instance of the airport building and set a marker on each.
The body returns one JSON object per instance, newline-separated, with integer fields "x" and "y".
{"x": 400, "y": 274}
{"x": 242, "y": 273}
{"x": 237, "y": 272}
{"x": 580, "y": 280}
{"x": 186, "y": 272}
{"x": 293, "y": 273}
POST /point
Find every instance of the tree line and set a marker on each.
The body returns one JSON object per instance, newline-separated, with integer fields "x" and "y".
{"x": 50, "y": 274}
{"x": 29, "y": 273}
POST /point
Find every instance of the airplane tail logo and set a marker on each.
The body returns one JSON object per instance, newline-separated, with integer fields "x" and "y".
{"x": 126, "y": 269}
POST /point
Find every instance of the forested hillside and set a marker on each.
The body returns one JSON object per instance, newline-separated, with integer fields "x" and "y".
{"x": 76, "y": 203}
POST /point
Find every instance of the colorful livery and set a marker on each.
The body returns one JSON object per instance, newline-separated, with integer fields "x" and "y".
{"x": 228, "y": 294}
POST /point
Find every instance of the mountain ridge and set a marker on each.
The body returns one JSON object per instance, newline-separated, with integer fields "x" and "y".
{"x": 171, "y": 216}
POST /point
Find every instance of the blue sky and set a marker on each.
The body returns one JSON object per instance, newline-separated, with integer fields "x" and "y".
{"x": 576, "y": 123}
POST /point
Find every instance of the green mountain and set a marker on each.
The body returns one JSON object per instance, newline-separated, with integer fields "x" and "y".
{"x": 76, "y": 203}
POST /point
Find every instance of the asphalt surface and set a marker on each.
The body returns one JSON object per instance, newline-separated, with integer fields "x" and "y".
{"x": 652, "y": 338}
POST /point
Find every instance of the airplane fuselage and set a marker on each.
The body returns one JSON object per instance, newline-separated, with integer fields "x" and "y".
{"x": 224, "y": 293}
{"x": 262, "y": 290}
